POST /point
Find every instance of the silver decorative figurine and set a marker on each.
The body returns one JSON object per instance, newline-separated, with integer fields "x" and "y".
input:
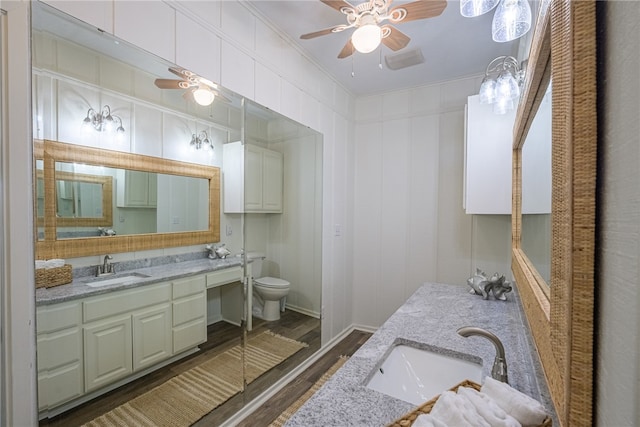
{"x": 482, "y": 285}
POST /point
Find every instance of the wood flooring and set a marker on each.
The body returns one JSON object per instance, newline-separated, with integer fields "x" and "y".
{"x": 220, "y": 337}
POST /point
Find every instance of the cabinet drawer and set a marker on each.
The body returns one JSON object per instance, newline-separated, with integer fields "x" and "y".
{"x": 221, "y": 277}
{"x": 189, "y": 335}
{"x": 125, "y": 301}
{"x": 189, "y": 308}
{"x": 188, "y": 286}
{"x": 64, "y": 384}
{"x": 59, "y": 348}
{"x": 51, "y": 318}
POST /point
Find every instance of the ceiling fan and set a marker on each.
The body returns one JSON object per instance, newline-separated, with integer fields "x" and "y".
{"x": 198, "y": 88}
{"x": 366, "y": 19}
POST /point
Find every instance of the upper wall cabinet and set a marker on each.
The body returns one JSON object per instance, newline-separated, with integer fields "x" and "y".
{"x": 253, "y": 179}
{"x": 488, "y": 152}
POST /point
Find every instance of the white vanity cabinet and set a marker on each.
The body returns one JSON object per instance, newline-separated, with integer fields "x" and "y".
{"x": 253, "y": 179}
{"x": 487, "y": 160}
{"x": 189, "y": 325}
{"x": 136, "y": 189}
{"x": 60, "y": 359}
{"x": 125, "y": 331}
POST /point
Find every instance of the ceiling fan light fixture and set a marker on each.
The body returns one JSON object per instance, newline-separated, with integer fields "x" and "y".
{"x": 203, "y": 96}
{"x": 473, "y": 8}
{"x": 366, "y": 38}
{"x": 511, "y": 20}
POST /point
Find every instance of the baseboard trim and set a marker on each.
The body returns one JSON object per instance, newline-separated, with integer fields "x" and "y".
{"x": 247, "y": 410}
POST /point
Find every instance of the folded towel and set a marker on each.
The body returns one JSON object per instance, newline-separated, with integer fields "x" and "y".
{"x": 41, "y": 264}
{"x": 528, "y": 411}
{"x": 454, "y": 410}
{"x": 54, "y": 263}
{"x": 427, "y": 420}
{"x": 488, "y": 408}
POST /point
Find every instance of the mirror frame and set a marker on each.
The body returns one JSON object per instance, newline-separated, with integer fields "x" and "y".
{"x": 562, "y": 317}
{"x": 51, "y": 247}
{"x": 106, "y": 220}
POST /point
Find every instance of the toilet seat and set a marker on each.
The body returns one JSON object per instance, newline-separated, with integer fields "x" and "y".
{"x": 271, "y": 282}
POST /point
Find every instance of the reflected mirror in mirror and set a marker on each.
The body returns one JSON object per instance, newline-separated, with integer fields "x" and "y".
{"x": 536, "y": 190}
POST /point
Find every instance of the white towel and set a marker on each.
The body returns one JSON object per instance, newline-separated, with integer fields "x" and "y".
{"x": 454, "y": 410}
{"x": 528, "y": 411}
{"x": 54, "y": 263}
{"x": 488, "y": 408}
{"x": 427, "y": 420}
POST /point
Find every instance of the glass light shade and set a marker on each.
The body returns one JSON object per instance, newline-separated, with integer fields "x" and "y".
{"x": 487, "y": 91}
{"x": 473, "y": 8}
{"x": 503, "y": 106}
{"x": 203, "y": 96}
{"x": 366, "y": 38}
{"x": 507, "y": 86}
{"x": 511, "y": 20}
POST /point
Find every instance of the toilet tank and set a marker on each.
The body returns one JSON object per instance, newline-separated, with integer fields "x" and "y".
{"x": 255, "y": 258}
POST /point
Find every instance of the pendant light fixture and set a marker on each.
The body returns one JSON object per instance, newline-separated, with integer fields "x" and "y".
{"x": 511, "y": 20}
{"x": 473, "y": 8}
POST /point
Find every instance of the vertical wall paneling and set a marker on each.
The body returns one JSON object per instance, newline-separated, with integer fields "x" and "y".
{"x": 267, "y": 88}
{"x": 454, "y": 226}
{"x": 237, "y": 70}
{"x": 150, "y": 25}
{"x": 368, "y": 223}
{"x": 98, "y": 13}
{"x": 197, "y": 49}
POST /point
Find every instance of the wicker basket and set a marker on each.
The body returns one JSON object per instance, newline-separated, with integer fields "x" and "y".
{"x": 49, "y": 277}
{"x": 408, "y": 419}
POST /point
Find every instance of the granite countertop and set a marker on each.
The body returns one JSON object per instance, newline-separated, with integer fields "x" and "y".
{"x": 431, "y": 317}
{"x": 157, "y": 273}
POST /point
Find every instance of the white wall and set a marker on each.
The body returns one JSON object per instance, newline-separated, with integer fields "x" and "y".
{"x": 618, "y": 257}
{"x": 409, "y": 225}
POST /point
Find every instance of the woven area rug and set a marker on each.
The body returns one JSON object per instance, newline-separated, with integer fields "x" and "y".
{"x": 288, "y": 413}
{"x": 187, "y": 397}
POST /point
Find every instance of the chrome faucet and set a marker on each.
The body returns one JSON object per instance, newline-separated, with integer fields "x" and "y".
{"x": 499, "y": 370}
{"x": 106, "y": 267}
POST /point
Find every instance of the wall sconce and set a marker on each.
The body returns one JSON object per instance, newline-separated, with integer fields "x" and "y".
{"x": 103, "y": 121}
{"x": 501, "y": 84}
{"x": 201, "y": 141}
{"x": 511, "y": 20}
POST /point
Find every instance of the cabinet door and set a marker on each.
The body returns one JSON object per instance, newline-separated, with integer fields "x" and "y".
{"x": 107, "y": 351}
{"x": 151, "y": 336}
{"x": 253, "y": 170}
{"x": 272, "y": 181}
{"x": 488, "y": 159}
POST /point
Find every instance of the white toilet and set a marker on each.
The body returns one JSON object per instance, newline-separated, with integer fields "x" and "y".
{"x": 269, "y": 293}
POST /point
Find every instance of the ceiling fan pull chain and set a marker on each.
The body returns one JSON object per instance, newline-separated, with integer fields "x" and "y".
{"x": 353, "y": 74}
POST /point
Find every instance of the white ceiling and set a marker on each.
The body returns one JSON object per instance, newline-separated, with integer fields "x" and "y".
{"x": 453, "y": 46}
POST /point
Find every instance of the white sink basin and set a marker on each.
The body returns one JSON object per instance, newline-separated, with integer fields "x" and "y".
{"x": 416, "y": 375}
{"x": 120, "y": 280}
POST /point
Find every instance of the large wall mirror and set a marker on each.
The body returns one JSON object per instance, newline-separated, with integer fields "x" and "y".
{"x": 553, "y": 228}
{"x": 154, "y": 193}
{"x": 79, "y": 205}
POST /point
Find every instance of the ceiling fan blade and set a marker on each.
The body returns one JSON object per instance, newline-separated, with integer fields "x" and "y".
{"x": 181, "y": 72}
{"x": 396, "y": 39}
{"x": 420, "y": 9}
{"x": 324, "y": 32}
{"x": 338, "y": 4}
{"x": 347, "y": 50}
{"x": 170, "y": 84}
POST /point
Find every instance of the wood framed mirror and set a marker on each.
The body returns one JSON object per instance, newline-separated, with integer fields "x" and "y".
{"x": 52, "y": 246}
{"x": 561, "y": 312}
